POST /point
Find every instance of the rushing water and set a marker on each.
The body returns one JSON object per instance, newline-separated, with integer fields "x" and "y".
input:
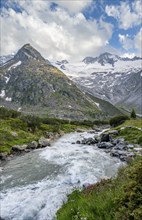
{"x": 34, "y": 186}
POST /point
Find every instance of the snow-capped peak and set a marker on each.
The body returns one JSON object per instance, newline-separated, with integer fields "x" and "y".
{"x": 107, "y": 58}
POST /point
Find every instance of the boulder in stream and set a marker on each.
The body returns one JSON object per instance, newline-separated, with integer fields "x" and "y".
{"x": 105, "y": 138}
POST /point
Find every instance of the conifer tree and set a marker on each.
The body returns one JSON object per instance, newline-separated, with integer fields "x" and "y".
{"x": 133, "y": 114}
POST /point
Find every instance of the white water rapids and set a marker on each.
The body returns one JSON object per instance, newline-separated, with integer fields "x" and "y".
{"x": 34, "y": 186}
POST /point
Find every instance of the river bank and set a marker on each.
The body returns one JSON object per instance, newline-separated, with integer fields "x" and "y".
{"x": 38, "y": 182}
{"x": 47, "y": 139}
{"x": 19, "y": 150}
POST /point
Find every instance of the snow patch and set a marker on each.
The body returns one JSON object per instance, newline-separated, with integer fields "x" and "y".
{"x": 97, "y": 104}
{"x": 14, "y": 65}
{"x": 8, "y": 99}
{"x": 2, "y": 94}
{"x": 7, "y": 79}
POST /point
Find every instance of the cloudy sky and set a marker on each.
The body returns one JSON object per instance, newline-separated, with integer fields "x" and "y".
{"x": 72, "y": 29}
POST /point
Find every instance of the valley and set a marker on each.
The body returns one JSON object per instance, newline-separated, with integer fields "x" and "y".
{"x": 53, "y": 118}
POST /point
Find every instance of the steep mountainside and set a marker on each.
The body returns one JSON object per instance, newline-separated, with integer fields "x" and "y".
{"x": 31, "y": 84}
{"x": 106, "y": 106}
{"x": 109, "y": 77}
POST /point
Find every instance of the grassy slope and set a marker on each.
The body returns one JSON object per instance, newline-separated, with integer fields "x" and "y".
{"x": 24, "y": 135}
{"x": 105, "y": 106}
{"x": 114, "y": 199}
{"x": 131, "y": 134}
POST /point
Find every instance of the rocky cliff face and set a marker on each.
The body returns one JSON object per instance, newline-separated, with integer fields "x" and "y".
{"x": 31, "y": 84}
{"x": 110, "y": 77}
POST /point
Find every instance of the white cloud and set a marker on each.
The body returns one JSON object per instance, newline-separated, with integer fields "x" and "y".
{"x": 127, "y": 15}
{"x": 73, "y": 6}
{"x": 126, "y": 41}
{"x": 132, "y": 43}
{"x": 56, "y": 34}
{"x": 138, "y": 41}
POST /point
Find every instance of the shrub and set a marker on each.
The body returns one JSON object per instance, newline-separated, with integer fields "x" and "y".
{"x": 32, "y": 121}
{"x": 84, "y": 122}
{"x": 8, "y": 113}
{"x": 140, "y": 140}
{"x": 54, "y": 121}
{"x": 133, "y": 114}
{"x": 100, "y": 122}
{"x": 118, "y": 120}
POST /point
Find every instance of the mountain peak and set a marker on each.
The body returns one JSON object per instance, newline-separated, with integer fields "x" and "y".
{"x": 27, "y": 52}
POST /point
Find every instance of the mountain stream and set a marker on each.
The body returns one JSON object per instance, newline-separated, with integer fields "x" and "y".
{"x": 34, "y": 185}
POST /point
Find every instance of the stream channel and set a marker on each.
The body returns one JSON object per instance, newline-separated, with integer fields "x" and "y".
{"x": 34, "y": 185}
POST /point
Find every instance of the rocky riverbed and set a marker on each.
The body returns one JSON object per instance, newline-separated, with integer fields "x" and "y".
{"x": 115, "y": 146}
{"x": 35, "y": 184}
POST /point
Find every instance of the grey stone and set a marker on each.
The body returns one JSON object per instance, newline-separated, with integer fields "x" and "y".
{"x": 105, "y": 138}
{"x": 19, "y": 147}
{"x": 130, "y": 146}
{"x": 121, "y": 146}
{"x": 49, "y": 134}
{"x": 44, "y": 142}
{"x": 14, "y": 134}
{"x": 89, "y": 141}
{"x": 3, "y": 156}
{"x": 32, "y": 145}
{"x": 105, "y": 145}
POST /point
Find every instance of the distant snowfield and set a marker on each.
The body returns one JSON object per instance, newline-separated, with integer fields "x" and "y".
{"x": 78, "y": 69}
{"x": 111, "y": 83}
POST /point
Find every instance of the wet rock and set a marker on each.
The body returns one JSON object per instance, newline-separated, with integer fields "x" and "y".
{"x": 121, "y": 146}
{"x": 44, "y": 142}
{"x": 130, "y": 146}
{"x": 3, "y": 156}
{"x": 105, "y": 145}
{"x": 89, "y": 141}
{"x": 32, "y": 145}
{"x": 118, "y": 153}
{"x": 78, "y": 142}
{"x": 105, "y": 138}
{"x": 19, "y": 147}
{"x": 92, "y": 132}
{"x": 117, "y": 141}
{"x": 127, "y": 157}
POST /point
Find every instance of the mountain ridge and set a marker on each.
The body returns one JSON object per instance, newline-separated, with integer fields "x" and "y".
{"x": 106, "y": 57}
{"x": 119, "y": 82}
{"x": 31, "y": 83}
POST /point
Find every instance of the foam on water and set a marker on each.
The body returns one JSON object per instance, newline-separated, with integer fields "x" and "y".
{"x": 74, "y": 165}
